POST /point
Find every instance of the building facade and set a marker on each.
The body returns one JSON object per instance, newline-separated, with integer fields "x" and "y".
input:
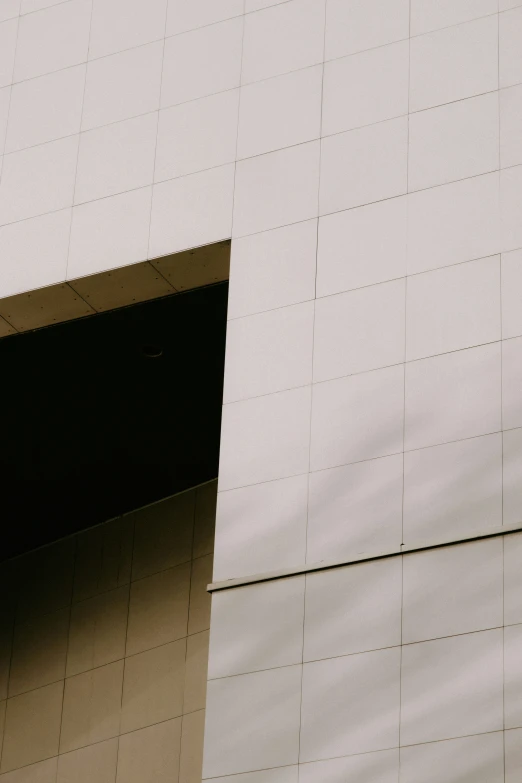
{"x": 365, "y": 159}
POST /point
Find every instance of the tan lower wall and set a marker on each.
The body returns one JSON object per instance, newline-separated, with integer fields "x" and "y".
{"x": 104, "y": 648}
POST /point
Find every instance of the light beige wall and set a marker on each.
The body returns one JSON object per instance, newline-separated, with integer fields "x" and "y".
{"x": 103, "y": 650}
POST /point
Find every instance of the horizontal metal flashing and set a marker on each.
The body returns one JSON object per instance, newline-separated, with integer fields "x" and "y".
{"x": 325, "y": 565}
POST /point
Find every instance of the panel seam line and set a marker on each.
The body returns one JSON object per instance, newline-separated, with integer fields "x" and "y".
{"x": 287, "y": 573}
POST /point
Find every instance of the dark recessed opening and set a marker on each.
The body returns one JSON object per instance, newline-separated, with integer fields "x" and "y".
{"x": 91, "y": 427}
{"x": 152, "y": 351}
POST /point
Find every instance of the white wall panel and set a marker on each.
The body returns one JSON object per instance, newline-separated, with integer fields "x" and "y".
{"x": 109, "y": 232}
{"x": 453, "y": 223}
{"x": 197, "y": 135}
{"x": 453, "y": 396}
{"x": 453, "y": 489}
{"x": 511, "y": 207}
{"x": 283, "y": 38}
{"x": 350, "y": 705}
{"x": 427, "y": 16}
{"x": 265, "y": 438}
{"x": 452, "y": 308}
{"x": 276, "y": 189}
{"x": 45, "y": 109}
{"x": 338, "y": 600}
{"x": 5, "y": 97}
{"x": 355, "y": 508}
{"x": 452, "y": 590}
{"x": 252, "y": 721}
{"x": 454, "y": 63}
{"x": 8, "y": 33}
{"x": 191, "y": 211}
{"x": 512, "y": 579}
{"x": 366, "y": 88}
{"x": 9, "y": 10}
{"x": 266, "y": 620}
{"x": 45, "y": 238}
{"x": 273, "y": 269}
{"x": 512, "y": 383}
{"x": 513, "y": 684}
{"x": 510, "y": 104}
{"x": 510, "y": 38}
{"x": 184, "y": 16}
{"x": 453, "y": 142}
{"x": 364, "y": 165}
{"x": 339, "y": 437}
{"x": 380, "y": 767}
{"x": 202, "y": 62}
{"x": 455, "y": 760}
{"x": 261, "y": 527}
{"x": 245, "y": 81}
{"x": 512, "y": 469}
{"x": 513, "y": 752}
{"x": 359, "y": 330}
{"x": 280, "y": 112}
{"x": 116, "y": 158}
{"x": 38, "y": 180}
{"x": 123, "y": 24}
{"x": 122, "y": 86}
{"x": 452, "y": 687}
{"x": 269, "y": 352}
{"x": 363, "y": 246}
{"x": 53, "y": 38}
{"x": 355, "y": 25}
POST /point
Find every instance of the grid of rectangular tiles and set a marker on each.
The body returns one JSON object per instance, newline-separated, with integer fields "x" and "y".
{"x": 104, "y": 649}
{"x": 407, "y": 669}
{"x": 374, "y": 345}
{"x": 372, "y": 397}
{"x": 126, "y": 118}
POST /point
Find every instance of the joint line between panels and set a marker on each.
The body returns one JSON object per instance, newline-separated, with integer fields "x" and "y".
{"x": 363, "y": 558}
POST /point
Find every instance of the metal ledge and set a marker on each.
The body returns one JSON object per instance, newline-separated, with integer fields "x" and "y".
{"x": 323, "y": 565}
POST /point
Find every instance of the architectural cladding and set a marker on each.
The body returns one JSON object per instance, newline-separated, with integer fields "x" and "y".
{"x": 365, "y": 157}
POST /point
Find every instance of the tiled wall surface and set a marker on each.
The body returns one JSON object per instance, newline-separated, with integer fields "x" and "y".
{"x": 366, "y": 158}
{"x": 373, "y": 385}
{"x": 406, "y": 669}
{"x": 104, "y": 649}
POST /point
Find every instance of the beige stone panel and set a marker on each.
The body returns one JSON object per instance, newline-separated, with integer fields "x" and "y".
{"x": 197, "y": 267}
{"x": 45, "y": 578}
{"x": 121, "y": 287}
{"x": 32, "y": 727}
{"x": 196, "y": 672}
{"x": 98, "y": 629}
{"x": 3, "y": 705}
{"x": 205, "y": 519}
{"x": 150, "y": 755}
{"x": 43, "y": 772}
{"x": 6, "y": 638}
{"x": 6, "y": 329}
{"x": 199, "y": 610}
{"x": 91, "y": 707}
{"x": 43, "y": 307}
{"x": 191, "y": 761}
{"x": 163, "y": 535}
{"x": 103, "y": 558}
{"x": 39, "y": 652}
{"x": 153, "y": 686}
{"x": 158, "y": 609}
{"x": 94, "y": 764}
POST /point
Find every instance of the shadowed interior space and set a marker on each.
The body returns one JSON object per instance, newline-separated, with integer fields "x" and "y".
{"x": 108, "y": 413}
